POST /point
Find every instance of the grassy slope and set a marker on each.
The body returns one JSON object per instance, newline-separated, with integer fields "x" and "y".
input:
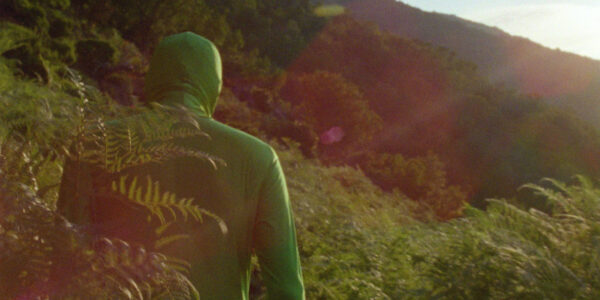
{"x": 360, "y": 243}
{"x": 345, "y": 226}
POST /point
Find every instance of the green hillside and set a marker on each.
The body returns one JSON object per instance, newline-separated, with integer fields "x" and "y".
{"x": 388, "y": 144}
{"x": 488, "y": 140}
{"x": 564, "y": 79}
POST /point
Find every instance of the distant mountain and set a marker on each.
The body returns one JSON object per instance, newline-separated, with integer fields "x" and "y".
{"x": 565, "y": 79}
{"x": 435, "y": 109}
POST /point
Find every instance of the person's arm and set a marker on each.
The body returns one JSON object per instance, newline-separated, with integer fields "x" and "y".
{"x": 275, "y": 239}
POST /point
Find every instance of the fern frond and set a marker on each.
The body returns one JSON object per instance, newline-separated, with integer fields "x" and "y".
{"x": 162, "y": 228}
{"x": 178, "y": 264}
{"x": 40, "y": 248}
{"x": 141, "y": 139}
{"x": 13, "y": 36}
{"x": 157, "y": 202}
{"x": 162, "y": 242}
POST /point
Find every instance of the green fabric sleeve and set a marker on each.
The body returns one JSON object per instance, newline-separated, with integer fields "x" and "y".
{"x": 275, "y": 239}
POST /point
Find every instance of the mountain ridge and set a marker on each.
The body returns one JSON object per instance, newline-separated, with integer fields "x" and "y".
{"x": 567, "y": 80}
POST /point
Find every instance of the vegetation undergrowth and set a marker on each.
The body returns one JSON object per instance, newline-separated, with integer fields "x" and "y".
{"x": 43, "y": 254}
{"x": 351, "y": 251}
{"x": 58, "y": 76}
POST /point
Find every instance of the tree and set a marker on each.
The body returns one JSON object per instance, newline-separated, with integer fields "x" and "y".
{"x": 327, "y": 100}
{"x": 422, "y": 178}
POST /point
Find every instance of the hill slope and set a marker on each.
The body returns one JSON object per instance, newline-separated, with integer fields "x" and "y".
{"x": 490, "y": 139}
{"x": 565, "y": 79}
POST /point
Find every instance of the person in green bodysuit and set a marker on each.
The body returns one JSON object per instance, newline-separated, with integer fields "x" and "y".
{"x": 249, "y": 192}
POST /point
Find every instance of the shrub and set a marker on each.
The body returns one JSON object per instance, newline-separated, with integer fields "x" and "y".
{"x": 326, "y": 100}
{"x": 422, "y": 179}
{"x": 42, "y": 254}
{"x": 93, "y": 55}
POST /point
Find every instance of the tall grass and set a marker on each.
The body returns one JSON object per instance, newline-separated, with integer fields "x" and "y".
{"x": 505, "y": 252}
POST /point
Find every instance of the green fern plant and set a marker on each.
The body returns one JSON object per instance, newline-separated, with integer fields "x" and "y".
{"x": 509, "y": 252}
{"x": 157, "y": 202}
{"x": 42, "y": 255}
{"x": 146, "y": 135}
{"x": 136, "y": 137}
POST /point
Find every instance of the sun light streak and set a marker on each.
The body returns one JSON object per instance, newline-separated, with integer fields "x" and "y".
{"x": 570, "y": 27}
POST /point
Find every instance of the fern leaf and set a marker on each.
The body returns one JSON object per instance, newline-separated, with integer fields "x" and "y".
{"x": 122, "y": 184}
{"x": 132, "y": 188}
{"x": 162, "y": 228}
{"x": 162, "y": 242}
{"x": 159, "y": 214}
{"x": 178, "y": 263}
{"x": 148, "y": 195}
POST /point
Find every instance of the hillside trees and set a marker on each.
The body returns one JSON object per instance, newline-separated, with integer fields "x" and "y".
{"x": 327, "y": 100}
{"x": 40, "y": 34}
{"x": 510, "y": 139}
{"x": 438, "y": 133}
{"x": 42, "y": 254}
{"x": 279, "y": 30}
{"x": 424, "y": 99}
{"x": 146, "y": 24}
{"x": 421, "y": 178}
{"x": 431, "y": 101}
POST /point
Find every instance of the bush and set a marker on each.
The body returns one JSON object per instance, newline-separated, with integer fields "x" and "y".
{"x": 42, "y": 255}
{"x": 326, "y": 100}
{"x": 422, "y": 179}
{"x": 345, "y": 227}
{"x": 512, "y": 253}
{"x": 93, "y": 55}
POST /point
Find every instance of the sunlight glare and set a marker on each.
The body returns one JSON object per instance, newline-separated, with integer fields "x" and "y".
{"x": 569, "y": 27}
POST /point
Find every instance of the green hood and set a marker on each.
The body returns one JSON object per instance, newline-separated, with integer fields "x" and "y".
{"x": 185, "y": 70}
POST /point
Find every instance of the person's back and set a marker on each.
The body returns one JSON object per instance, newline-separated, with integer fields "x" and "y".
{"x": 247, "y": 192}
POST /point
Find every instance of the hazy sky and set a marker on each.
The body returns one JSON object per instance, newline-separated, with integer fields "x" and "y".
{"x": 572, "y": 26}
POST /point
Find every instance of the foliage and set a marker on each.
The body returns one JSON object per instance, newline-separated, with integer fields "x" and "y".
{"x": 444, "y": 129}
{"x": 238, "y": 114}
{"x": 491, "y": 139}
{"x": 324, "y": 100}
{"x": 411, "y": 86}
{"x": 515, "y": 253}
{"x": 261, "y": 113}
{"x": 565, "y": 80}
{"x": 342, "y": 219}
{"x": 46, "y": 44}
{"x": 278, "y": 30}
{"x": 421, "y": 178}
{"x": 44, "y": 53}
{"x": 509, "y": 140}
{"x": 45, "y": 256}
{"x": 505, "y": 252}
{"x": 38, "y": 127}
{"x": 93, "y": 54}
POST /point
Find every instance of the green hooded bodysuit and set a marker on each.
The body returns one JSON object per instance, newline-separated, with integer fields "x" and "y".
{"x": 249, "y": 193}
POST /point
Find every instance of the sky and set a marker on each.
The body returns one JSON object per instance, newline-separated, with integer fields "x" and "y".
{"x": 572, "y": 26}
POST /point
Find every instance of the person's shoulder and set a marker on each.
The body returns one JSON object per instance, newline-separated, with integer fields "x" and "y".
{"x": 250, "y": 144}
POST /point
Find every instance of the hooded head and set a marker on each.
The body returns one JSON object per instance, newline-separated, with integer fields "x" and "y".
{"x": 185, "y": 69}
